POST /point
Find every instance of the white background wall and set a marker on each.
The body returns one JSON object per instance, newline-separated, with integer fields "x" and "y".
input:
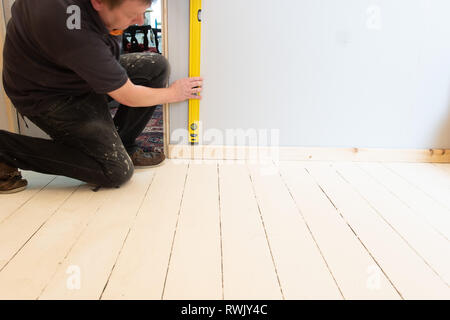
{"x": 326, "y": 73}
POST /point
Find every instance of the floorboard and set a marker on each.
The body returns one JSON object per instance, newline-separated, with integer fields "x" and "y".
{"x": 34, "y": 265}
{"x": 248, "y": 268}
{"x": 432, "y": 247}
{"x": 141, "y": 268}
{"x": 356, "y": 271}
{"x": 195, "y": 270}
{"x": 85, "y": 269}
{"x": 12, "y": 202}
{"x": 19, "y": 228}
{"x": 412, "y": 277}
{"x": 302, "y": 269}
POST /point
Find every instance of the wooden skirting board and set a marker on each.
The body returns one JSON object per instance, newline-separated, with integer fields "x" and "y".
{"x": 313, "y": 154}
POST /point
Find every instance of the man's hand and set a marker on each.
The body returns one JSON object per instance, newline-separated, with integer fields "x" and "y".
{"x": 187, "y": 88}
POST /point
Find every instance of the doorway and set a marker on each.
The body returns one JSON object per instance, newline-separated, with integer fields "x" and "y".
{"x": 147, "y": 38}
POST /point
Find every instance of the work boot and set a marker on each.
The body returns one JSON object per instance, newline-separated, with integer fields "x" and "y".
{"x": 11, "y": 180}
{"x": 147, "y": 159}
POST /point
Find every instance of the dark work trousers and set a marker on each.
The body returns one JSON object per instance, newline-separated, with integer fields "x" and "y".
{"x": 87, "y": 143}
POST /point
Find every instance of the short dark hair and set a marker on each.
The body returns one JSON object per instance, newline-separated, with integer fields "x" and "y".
{"x": 115, "y": 3}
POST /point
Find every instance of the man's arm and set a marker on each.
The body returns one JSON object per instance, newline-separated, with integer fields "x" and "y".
{"x": 140, "y": 96}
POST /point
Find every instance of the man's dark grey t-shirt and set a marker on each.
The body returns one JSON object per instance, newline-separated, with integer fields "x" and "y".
{"x": 44, "y": 59}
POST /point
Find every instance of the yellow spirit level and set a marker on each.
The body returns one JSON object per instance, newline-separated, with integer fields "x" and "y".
{"x": 194, "y": 66}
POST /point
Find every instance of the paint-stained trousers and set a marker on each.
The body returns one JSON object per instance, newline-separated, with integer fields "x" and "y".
{"x": 87, "y": 143}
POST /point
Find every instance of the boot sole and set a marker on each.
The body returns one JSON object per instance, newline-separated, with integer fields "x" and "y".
{"x": 152, "y": 166}
{"x": 13, "y": 190}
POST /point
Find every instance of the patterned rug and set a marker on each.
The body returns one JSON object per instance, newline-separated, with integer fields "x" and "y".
{"x": 151, "y": 138}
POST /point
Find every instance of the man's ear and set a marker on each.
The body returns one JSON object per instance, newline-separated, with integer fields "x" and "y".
{"x": 98, "y": 5}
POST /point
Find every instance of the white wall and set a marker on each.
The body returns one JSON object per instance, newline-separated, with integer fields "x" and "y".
{"x": 326, "y": 73}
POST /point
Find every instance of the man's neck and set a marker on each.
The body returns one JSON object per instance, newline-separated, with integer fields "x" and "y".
{"x": 105, "y": 22}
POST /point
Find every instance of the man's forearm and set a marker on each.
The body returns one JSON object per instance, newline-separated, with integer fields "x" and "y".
{"x": 140, "y": 96}
{"x": 144, "y": 96}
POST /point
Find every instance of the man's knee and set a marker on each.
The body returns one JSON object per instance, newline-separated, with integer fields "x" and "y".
{"x": 119, "y": 173}
{"x": 158, "y": 69}
{"x": 166, "y": 69}
{"x": 153, "y": 67}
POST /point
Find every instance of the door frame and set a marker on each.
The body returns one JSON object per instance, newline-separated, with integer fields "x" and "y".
{"x": 165, "y": 49}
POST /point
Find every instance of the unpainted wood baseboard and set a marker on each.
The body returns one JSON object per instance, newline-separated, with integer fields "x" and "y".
{"x": 304, "y": 153}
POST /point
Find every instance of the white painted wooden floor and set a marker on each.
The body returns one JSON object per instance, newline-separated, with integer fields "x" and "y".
{"x": 227, "y": 230}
